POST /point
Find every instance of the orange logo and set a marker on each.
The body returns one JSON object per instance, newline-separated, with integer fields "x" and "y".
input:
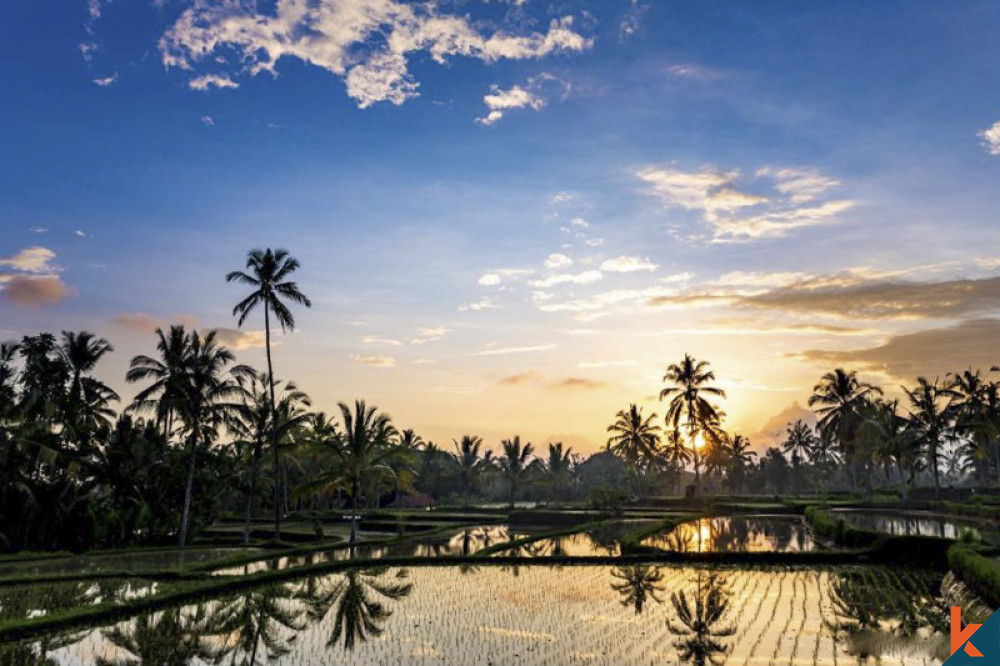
{"x": 960, "y": 636}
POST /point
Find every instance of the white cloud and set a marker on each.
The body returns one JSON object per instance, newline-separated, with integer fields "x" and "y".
{"x": 365, "y": 42}
{"x": 482, "y": 304}
{"x": 489, "y": 279}
{"x": 579, "y": 222}
{"x": 801, "y": 185}
{"x": 502, "y": 351}
{"x": 556, "y": 262}
{"x": 208, "y": 121}
{"x": 991, "y": 138}
{"x": 376, "y": 340}
{"x": 625, "y": 264}
{"x": 500, "y": 101}
{"x": 31, "y": 260}
{"x": 430, "y": 334}
{"x": 495, "y": 277}
{"x": 106, "y": 81}
{"x": 39, "y": 230}
{"x": 208, "y": 81}
{"x": 586, "y": 277}
{"x": 374, "y": 361}
{"x": 779, "y": 223}
{"x": 709, "y": 190}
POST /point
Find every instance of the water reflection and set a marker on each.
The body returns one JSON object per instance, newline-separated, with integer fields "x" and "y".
{"x": 359, "y": 601}
{"x": 917, "y": 524}
{"x": 699, "y": 624}
{"x": 630, "y": 615}
{"x": 636, "y": 584}
{"x": 750, "y": 534}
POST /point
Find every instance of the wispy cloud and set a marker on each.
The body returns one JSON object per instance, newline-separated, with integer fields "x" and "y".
{"x": 585, "y": 277}
{"x": 525, "y": 349}
{"x": 374, "y": 361}
{"x": 142, "y": 322}
{"x": 106, "y": 81}
{"x": 625, "y": 264}
{"x": 485, "y": 303}
{"x": 376, "y": 340}
{"x": 242, "y": 339}
{"x": 206, "y": 82}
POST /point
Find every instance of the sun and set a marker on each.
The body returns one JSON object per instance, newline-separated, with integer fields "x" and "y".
{"x": 699, "y": 440}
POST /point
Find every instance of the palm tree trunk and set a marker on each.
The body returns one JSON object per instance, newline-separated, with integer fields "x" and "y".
{"x": 251, "y": 490}
{"x": 355, "y": 491}
{"x": 274, "y": 422}
{"x": 934, "y": 466}
{"x": 902, "y": 481}
{"x": 188, "y": 487}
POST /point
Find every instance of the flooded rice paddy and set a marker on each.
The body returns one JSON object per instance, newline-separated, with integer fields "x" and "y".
{"x": 20, "y": 602}
{"x": 136, "y": 561}
{"x": 633, "y": 615}
{"x": 917, "y": 523}
{"x": 730, "y": 534}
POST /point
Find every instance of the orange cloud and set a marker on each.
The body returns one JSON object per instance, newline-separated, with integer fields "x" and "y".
{"x": 146, "y": 323}
{"x": 34, "y": 292}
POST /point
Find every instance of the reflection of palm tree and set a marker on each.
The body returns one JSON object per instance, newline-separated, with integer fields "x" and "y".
{"x": 636, "y": 584}
{"x": 259, "y": 618}
{"x": 358, "y": 602}
{"x": 173, "y": 637}
{"x": 699, "y": 621}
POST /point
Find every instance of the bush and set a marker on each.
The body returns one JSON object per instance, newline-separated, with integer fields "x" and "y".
{"x": 607, "y": 500}
{"x": 979, "y": 572}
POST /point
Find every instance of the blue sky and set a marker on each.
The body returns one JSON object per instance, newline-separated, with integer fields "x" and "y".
{"x": 776, "y": 186}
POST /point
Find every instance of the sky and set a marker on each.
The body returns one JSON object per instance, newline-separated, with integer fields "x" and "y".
{"x": 513, "y": 215}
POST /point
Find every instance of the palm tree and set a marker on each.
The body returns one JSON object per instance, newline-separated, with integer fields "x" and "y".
{"x": 557, "y": 469}
{"x": 635, "y": 440}
{"x": 515, "y": 465}
{"x": 81, "y": 352}
{"x": 740, "y": 457}
{"x": 689, "y": 384}
{"x": 211, "y": 399}
{"x": 675, "y": 454}
{"x": 165, "y": 393}
{"x": 841, "y": 398}
{"x": 363, "y": 452}
{"x": 972, "y": 407}
{"x": 268, "y": 272}
{"x": 799, "y": 442}
{"x": 292, "y": 414}
{"x": 931, "y": 414}
{"x": 469, "y": 464}
{"x": 892, "y": 438}
{"x": 636, "y": 584}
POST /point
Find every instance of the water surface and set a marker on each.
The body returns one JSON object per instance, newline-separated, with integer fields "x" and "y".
{"x": 750, "y": 534}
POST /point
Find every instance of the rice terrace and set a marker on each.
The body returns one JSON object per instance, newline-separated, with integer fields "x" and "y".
{"x": 499, "y": 333}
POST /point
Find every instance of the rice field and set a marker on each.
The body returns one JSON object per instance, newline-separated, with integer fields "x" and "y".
{"x": 136, "y": 561}
{"x": 917, "y": 524}
{"x": 750, "y": 534}
{"x": 634, "y": 615}
{"x": 19, "y": 602}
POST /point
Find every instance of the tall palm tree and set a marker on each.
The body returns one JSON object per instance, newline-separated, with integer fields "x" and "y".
{"x": 972, "y": 410}
{"x": 165, "y": 392}
{"x": 292, "y": 414}
{"x": 212, "y": 399}
{"x": 740, "y": 457}
{"x": 267, "y": 273}
{"x": 676, "y": 454}
{"x": 635, "y": 440}
{"x": 469, "y": 465}
{"x": 557, "y": 468}
{"x": 82, "y": 351}
{"x": 891, "y": 437}
{"x": 931, "y": 414}
{"x": 690, "y": 388}
{"x": 514, "y": 465}
{"x": 799, "y": 442}
{"x": 839, "y": 399}
{"x": 363, "y": 452}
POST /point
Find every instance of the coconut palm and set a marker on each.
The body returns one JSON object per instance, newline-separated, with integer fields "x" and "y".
{"x": 363, "y": 453}
{"x": 676, "y": 454}
{"x": 469, "y": 465}
{"x": 689, "y": 405}
{"x": 267, "y": 273}
{"x": 292, "y": 413}
{"x": 799, "y": 442}
{"x": 81, "y": 352}
{"x": 892, "y": 439}
{"x": 165, "y": 392}
{"x": 637, "y": 584}
{"x": 514, "y": 465}
{"x": 932, "y": 412}
{"x": 557, "y": 469}
{"x": 635, "y": 440}
{"x": 211, "y": 400}
{"x": 972, "y": 411}
{"x": 839, "y": 399}
{"x": 739, "y": 457}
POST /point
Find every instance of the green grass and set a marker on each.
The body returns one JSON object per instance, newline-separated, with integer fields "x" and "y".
{"x": 978, "y": 568}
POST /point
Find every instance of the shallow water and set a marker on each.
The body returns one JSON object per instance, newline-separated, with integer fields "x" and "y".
{"x": 465, "y": 541}
{"x": 535, "y": 616}
{"x": 917, "y": 524}
{"x": 749, "y": 534}
{"x": 603, "y": 541}
{"x": 132, "y": 562}
{"x": 19, "y": 602}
